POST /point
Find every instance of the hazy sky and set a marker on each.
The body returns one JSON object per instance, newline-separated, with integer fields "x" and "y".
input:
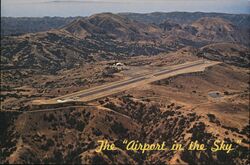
{"x": 64, "y": 8}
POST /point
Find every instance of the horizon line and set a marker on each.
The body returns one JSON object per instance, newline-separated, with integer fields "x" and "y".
{"x": 212, "y": 12}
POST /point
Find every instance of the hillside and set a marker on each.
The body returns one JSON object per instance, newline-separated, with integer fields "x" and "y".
{"x": 83, "y": 40}
{"x": 113, "y": 26}
{"x": 240, "y": 20}
{"x": 219, "y": 30}
{"x": 17, "y": 26}
{"x": 227, "y": 52}
{"x": 110, "y": 36}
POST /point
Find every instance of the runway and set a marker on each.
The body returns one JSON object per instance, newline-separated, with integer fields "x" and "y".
{"x": 108, "y": 89}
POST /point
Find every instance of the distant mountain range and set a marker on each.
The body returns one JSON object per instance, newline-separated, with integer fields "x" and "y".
{"x": 69, "y": 42}
{"x": 240, "y": 20}
{"x": 20, "y": 25}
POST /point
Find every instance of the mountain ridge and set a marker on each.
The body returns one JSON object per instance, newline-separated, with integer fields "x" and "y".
{"x": 110, "y": 36}
{"x": 18, "y": 25}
